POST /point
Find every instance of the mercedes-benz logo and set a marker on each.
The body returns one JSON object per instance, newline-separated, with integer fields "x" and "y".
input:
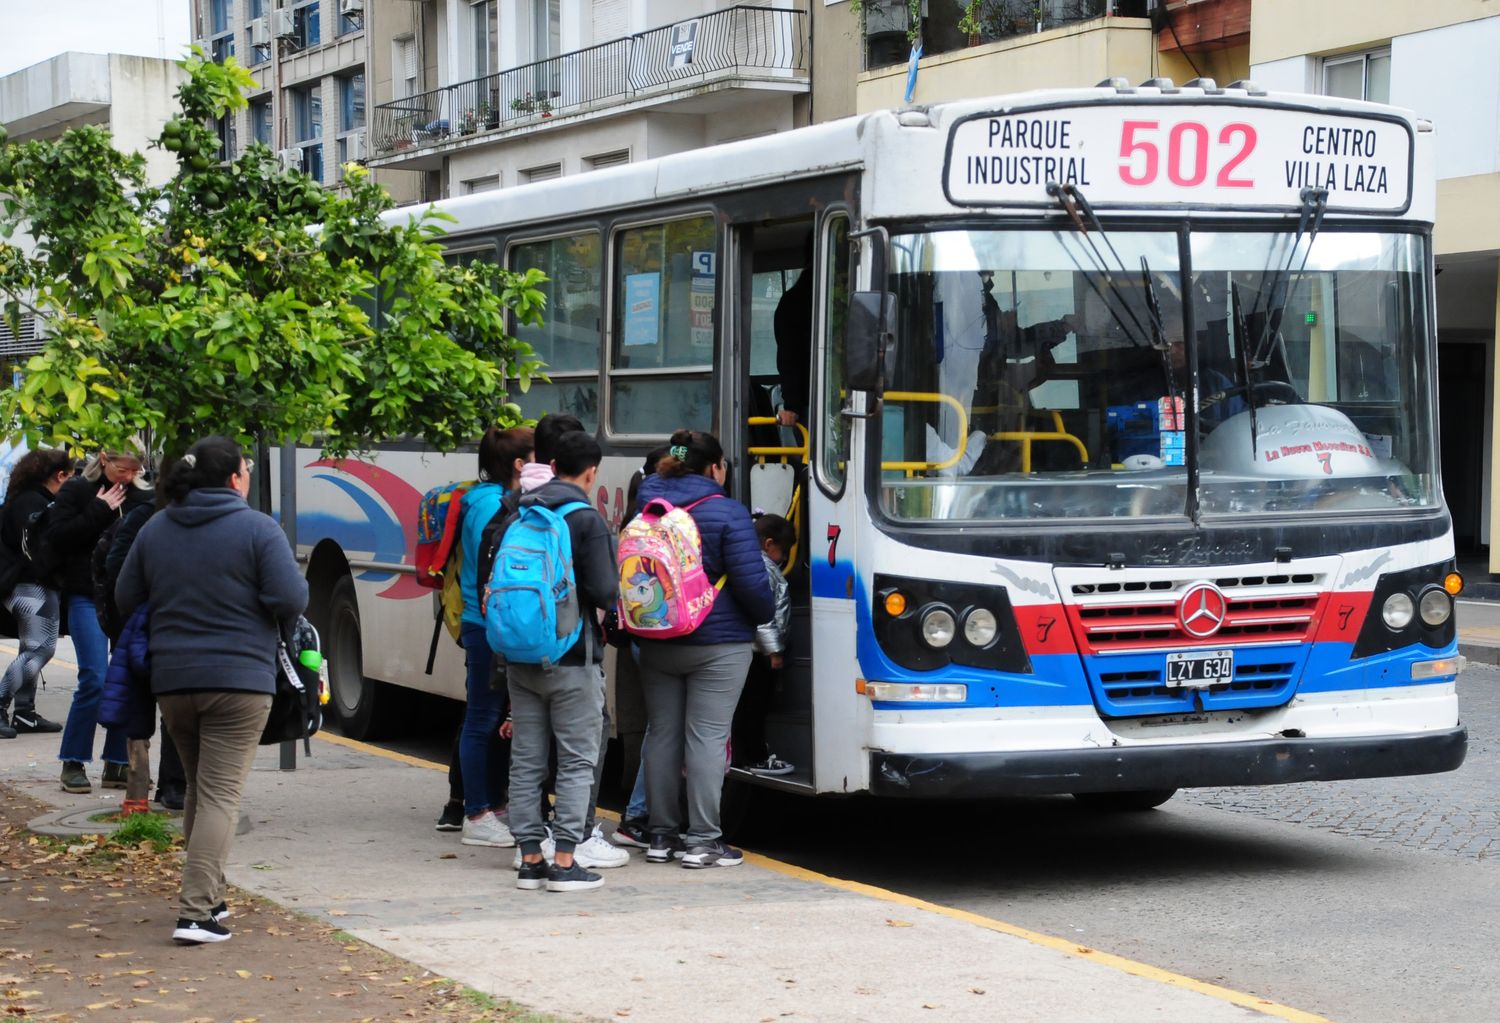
{"x": 1202, "y": 610}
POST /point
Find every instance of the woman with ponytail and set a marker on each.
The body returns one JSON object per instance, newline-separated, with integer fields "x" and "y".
{"x": 692, "y": 683}
{"x": 222, "y": 586}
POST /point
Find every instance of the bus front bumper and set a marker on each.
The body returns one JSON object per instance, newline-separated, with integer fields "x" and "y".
{"x": 1274, "y": 761}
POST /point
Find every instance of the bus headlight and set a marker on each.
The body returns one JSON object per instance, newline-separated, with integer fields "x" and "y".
{"x": 1435, "y": 606}
{"x": 1397, "y": 611}
{"x": 980, "y": 627}
{"x": 938, "y": 627}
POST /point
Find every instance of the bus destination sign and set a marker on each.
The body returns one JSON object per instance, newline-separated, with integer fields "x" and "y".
{"x": 1158, "y": 154}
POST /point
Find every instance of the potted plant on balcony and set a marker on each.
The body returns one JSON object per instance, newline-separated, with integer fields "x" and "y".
{"x": 532, "y": 103}
{"x": 469, "y": 123}
{"x": 489, "y": 116}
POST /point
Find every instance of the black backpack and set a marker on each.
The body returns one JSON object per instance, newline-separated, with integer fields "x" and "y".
{"x": 297, "y": 706}
{"x": 37, "y": 547}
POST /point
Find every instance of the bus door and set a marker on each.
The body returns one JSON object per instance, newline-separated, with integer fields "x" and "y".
{"x": 769, "y": 258}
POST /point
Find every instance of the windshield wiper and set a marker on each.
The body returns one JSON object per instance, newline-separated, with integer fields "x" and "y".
{"x": 1158, "y": 336}
{"x": 1314, "y": 205}
{"x": 1072, "y": 202}
{"x": 1241, "y": 331}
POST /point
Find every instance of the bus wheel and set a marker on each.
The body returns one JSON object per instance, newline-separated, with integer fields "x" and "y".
{"x": 1110, "y": 802}
{"x": 364, "y": 707}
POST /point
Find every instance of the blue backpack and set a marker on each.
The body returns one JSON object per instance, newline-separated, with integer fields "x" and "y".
{"x": 531, "y": 612}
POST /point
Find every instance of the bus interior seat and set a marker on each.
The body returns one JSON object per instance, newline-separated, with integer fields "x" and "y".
{"x": 771, "y": 487}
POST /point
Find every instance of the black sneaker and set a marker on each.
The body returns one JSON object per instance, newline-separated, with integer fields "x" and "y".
{"x": 75, "y": 778}
{"x": 664, "y": 849}
{"x": 6, "y": 731}
{"x": 633, "y": 833}
{"x": 199, "y": 932}
{"x": 33, "y": 722}
{"x": 114, "y": 776}
{"x": 220, "y": 912}
{"x": 714, "y": 854}
{"x": 532, "y": 877}
{"x": 171, "y": 798}
{"x": 451, "y": 819}
{"x": 570, "y": 879}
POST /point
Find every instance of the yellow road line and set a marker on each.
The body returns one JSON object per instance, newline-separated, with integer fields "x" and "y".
{"x": 1071, "y": 948}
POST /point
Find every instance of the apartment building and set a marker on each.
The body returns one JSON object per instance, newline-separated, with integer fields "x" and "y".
{"x": 485, "y": 94}
{"x": 311, "y": 63}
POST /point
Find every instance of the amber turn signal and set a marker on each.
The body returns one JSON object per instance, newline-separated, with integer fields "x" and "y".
{"x": 1453, "y": 583}
{"x": 895, "y": 603}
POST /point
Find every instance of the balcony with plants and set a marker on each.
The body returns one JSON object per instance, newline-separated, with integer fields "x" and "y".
{"x": 743, "y": 47}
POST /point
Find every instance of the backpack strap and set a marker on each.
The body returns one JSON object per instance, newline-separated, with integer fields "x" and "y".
{"x": 718, "y": 586}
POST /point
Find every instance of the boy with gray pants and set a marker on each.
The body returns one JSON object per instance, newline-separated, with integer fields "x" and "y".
{"x": 564, "y": 703}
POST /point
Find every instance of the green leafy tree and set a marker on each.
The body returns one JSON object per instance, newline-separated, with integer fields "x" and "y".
{"x": 239, "y": 298}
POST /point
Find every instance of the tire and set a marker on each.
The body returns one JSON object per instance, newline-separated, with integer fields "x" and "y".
{"x": 364, "y": 708}
{"x": 1124, "y": 802}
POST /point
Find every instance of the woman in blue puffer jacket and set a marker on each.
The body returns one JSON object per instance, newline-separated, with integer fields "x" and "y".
{"x": 692, "y": 683}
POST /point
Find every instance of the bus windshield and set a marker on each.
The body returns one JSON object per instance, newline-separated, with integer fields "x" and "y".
{"x": 1041, "y": 374}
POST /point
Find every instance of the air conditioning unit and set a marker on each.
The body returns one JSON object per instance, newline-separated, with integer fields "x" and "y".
{"x": 260, "y": 31}
{"x": 290, "y": 159}
{"x": 357, "y": 147}
{"x": 351, "y": 6}
{"x": 283, "y": 24}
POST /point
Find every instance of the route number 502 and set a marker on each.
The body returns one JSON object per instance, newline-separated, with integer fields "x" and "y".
{"x": 1188, "y": 154}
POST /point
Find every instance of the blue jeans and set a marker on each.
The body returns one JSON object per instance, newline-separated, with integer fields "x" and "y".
{"x": 482, "y": 714}
{"x": 91, "y": 646}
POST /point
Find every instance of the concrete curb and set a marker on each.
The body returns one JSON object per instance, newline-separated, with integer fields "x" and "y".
{"x": 1480, "y": 653}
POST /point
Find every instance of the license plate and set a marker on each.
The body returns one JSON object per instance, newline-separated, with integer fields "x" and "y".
{"x": 1208, "y": 668}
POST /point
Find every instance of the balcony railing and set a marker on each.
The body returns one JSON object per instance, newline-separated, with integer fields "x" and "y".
{"x": 761, "y": 42}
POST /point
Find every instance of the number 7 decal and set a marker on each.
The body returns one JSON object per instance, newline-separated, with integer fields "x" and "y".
{"x": 833, "y": 544}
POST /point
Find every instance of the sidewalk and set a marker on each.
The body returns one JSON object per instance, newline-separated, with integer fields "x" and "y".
{"x": 1479, "y": 630}
{"x": 348, "y": 839}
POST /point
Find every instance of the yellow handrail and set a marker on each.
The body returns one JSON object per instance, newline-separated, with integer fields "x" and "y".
{"x": 777, "y": 452}
{"x": 1029, "y": 437}
{"x": 933, "y": 398}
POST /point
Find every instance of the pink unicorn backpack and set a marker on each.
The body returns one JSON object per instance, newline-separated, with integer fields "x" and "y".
{"x": 664, "y": 592}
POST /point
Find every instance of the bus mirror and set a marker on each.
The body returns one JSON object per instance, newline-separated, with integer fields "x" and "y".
{"x": 870, "y": 316}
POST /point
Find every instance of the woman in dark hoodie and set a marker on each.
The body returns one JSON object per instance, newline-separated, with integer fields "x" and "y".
{"x": 221, "y": 581}
{"x": 692, "y": 683}
{"x": 33, "y": 483}
{"x": 85, "y": 507}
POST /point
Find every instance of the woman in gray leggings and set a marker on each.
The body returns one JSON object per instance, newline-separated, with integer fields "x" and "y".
{"x": 33, "y": 601}
{"x": 692, "y": 683}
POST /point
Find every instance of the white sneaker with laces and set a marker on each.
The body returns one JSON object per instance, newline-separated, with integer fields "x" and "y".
{"x": 487, "y": 830}
{"x": 596, "y": 852}
{"x": 549, "y": 850}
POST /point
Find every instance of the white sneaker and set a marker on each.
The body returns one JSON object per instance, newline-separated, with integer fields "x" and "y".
{"x": 549, "y": 850}
{"x": 489, "y": 831}
{"x": 596, "y": 852}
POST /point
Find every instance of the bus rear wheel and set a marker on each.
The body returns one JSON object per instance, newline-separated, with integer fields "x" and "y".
{"x": 364, "y": 707}
{"x": 1110, "y": 802}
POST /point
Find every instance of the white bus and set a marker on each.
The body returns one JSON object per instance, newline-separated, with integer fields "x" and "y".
{"x": 1122, "y": 467}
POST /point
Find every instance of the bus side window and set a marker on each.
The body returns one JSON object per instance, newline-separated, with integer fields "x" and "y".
{"x": 833, "y": 435}
{"x": 662, "y": 328}
{"x": 568, "y": 338}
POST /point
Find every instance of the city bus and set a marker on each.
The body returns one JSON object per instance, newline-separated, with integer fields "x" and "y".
{"x": 1118, "y": 470}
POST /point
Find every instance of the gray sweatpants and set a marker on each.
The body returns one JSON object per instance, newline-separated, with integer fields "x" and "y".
{"x": 691, "y": 693}
{"x": 563, "y": 705}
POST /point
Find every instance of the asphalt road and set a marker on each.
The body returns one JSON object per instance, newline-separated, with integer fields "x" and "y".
{"x": 1367, "y": 902}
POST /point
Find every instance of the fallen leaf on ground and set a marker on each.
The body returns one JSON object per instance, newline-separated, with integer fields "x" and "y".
{"x": 898, "y": 923}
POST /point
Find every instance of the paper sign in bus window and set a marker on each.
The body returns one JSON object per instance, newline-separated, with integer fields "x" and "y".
{"x": 642, "y": 309}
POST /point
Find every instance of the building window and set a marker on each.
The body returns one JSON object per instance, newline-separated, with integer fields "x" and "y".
{"x": 351, "y": 22}
{"x": 260, "y": 120}
{"x": 546, "y": 30}
{"x": 312, "y": 162}
{"x": 483, "y": 27}
{"x": 404, "y": 60}
{"x": 306, "y": 25}
{"x": 307, "y": 113}
{"x": 352, "y": 102}
{"x": 544, "y": 173}
{"x": 488, "y": 184}
{"x": 259, "y": 53}
{"x": 220, "y": 31}
{"x": 1364, "y": 76}
{"x": 228, "y": 144}
{"x": 614, "y": 159}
